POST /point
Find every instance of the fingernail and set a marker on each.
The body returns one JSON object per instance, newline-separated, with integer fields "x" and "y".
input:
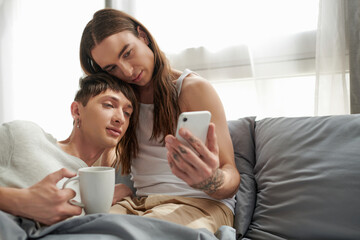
{"x": 168, "y": 140}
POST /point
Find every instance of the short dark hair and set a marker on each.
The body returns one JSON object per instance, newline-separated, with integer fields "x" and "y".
{"x": 91, "y": 86}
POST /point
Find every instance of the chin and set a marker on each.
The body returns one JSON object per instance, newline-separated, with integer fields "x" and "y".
{"x": 111, "y": 144}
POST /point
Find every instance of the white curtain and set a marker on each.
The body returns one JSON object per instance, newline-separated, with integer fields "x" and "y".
{"x": 239, "y": 46}
{"x": 259, "y": 64}
{"x": 40, "y": 66}
{"x": 7, "y": 15}
{"x": 332, "y": 85}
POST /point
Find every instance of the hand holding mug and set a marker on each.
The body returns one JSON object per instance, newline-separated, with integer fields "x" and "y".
{"x": 97, "y": 186}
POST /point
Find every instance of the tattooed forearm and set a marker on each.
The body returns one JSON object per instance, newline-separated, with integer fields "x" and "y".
{"x": 211, "y": 184}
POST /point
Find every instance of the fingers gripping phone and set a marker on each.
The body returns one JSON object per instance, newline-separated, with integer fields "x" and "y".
{"x": 196, "y": 122}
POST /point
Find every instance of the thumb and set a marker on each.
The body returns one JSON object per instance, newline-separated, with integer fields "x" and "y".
{"x": 212, "y": 139}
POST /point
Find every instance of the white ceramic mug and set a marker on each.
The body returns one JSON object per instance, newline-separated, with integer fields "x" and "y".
{"x": 97, "y": 185}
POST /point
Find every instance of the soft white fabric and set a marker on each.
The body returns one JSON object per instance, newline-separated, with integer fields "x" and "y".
{"x": 180, "y": 80}
{"x": 331, "y": 92}
{"x": 28, "y": 154}
{"x": 150, "y": 171}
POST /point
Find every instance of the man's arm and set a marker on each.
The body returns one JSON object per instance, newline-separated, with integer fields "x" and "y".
{"x": 213, "y": 170}
{"x": 43, "y": 201}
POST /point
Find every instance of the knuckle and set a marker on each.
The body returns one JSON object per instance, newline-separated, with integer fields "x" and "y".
{"x": 61, "y": 198}
{"x": 197, "y": 145}
{"x": 208, "y": 172}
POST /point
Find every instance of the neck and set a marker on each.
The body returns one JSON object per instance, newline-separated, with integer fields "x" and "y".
{"x": 79, "y": 147}
{"x": 146, "y": 94}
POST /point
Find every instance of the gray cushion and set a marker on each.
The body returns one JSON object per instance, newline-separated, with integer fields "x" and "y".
{"x": 124, "y": 179}
{"x": 308, "y": 178}
{"x": 242, "y": 136}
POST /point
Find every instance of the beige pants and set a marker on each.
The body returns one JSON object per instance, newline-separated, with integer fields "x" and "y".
{"x": 191, "y": 212}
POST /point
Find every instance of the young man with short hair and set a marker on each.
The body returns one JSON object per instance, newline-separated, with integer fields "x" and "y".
{"x": 33, "y": 164}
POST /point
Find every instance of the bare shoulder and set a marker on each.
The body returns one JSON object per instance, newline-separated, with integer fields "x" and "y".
{"x": 195, "y": 83}
{"x": 192, "y": 80}
{"x": 197, "y": 93}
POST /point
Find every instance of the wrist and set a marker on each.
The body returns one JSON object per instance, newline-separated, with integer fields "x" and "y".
{"x": 211, "y": 184}
{"x": 12, "y": 200}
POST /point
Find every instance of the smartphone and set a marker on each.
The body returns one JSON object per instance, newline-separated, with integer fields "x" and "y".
{"x": 196, "y": 122}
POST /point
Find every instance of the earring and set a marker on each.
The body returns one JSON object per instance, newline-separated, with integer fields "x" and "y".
{"x": 78, "y": 123}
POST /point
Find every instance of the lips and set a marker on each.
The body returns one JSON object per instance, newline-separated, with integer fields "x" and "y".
{"x": 114, "y": 132}
{"x": 138, "y": 77}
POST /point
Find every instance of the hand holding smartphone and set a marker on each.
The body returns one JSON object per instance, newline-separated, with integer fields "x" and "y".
{"x": 196, "y": 122}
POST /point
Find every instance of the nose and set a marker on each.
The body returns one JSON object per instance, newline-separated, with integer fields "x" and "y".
{"x": 119, "y": 117}
{"x": 125, "y": 68}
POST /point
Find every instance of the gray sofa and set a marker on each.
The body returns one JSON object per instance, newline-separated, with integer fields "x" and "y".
{"x": 300, "y": 177}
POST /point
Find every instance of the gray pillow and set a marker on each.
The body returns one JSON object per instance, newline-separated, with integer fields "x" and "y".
{"x": 308, "y": 178}
{"x": 125, "y": 179}
{"x": 242, "y": 136}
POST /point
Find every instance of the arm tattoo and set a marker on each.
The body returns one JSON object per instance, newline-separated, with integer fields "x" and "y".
{"x": 211, "y": 184}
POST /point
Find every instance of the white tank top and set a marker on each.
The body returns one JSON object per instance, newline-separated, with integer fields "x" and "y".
{"x": 150, "y": 170}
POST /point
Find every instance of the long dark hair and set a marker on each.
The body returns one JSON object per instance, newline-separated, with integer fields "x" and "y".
{"x": 107, "y": 22}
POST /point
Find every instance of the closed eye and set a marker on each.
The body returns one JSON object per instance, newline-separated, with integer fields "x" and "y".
{"x": 108, "y": 105}
{"x": 110, "y": 69}
{"x": 127, "y": 53}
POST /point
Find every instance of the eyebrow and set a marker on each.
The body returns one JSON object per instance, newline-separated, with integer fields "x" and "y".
{"x": 119, "y": 55}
